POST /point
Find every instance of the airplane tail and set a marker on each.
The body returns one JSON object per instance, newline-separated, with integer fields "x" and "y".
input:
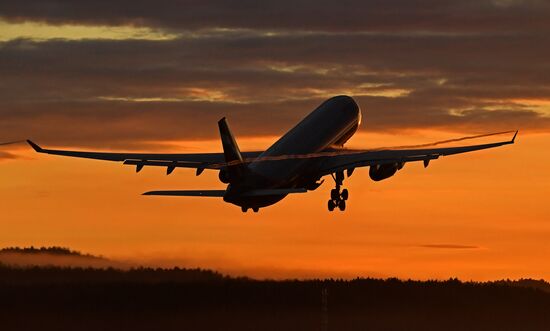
{"x": 235, "y": 164}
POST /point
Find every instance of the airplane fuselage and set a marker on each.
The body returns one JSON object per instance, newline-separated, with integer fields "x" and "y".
{"x": 329, "y": 125}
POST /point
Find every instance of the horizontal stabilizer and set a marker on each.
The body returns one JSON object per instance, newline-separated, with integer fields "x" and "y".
{"x": 221, "y": 193}
{"x": 201, "y": 193}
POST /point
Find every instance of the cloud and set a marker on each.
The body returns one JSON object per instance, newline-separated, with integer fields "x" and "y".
{"x": 40, "y": 32}
{"x": 321, "y": 15}
{"x": 448, "y": 246}
{"x": 451, "y": 65}
{"x": 7, "y": 156}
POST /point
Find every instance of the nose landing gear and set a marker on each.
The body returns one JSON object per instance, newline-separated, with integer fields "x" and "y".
{"x": 338, "y": 198}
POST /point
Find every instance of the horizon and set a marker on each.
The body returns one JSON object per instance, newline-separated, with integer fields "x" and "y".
{"x": 53, "y": 259}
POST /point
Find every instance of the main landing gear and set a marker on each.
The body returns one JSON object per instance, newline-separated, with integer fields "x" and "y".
{"x": 338, "y": 198}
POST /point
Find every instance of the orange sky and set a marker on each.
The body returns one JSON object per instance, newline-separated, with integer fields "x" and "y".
{"x": 494, "y": 202}
{"x": 97, "y": 75}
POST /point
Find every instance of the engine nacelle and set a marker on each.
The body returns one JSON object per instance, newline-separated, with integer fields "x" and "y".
{"x": 223, "y": 176}
{"x": 313, "y": 185}
{"x": 383, "y": 171}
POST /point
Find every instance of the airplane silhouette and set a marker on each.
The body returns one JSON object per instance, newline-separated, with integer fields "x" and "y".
{"x": 294, "y": 164}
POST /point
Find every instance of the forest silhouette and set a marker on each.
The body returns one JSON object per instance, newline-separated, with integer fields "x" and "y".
{"x": 55, "y": 298}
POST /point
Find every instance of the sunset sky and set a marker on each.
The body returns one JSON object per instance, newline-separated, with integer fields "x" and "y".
{"x": 156, "y": 76}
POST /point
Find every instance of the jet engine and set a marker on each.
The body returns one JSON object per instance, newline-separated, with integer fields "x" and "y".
{"x": 223, "y": 176}
{"x": 382, "y": 171}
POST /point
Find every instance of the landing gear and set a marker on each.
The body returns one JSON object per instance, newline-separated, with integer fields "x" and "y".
{"x": 244, "y": 209}
{"x": 256, "y": 209}
{"x": 338, "y": 198}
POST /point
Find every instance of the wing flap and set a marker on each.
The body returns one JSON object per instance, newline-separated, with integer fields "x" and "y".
{"x": 175, "y": 164}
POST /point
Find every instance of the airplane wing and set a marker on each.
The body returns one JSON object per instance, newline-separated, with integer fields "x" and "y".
{"x": 199, "y": 161}
{"x": 330, "y": 162}
{"x": 351, "y": 159}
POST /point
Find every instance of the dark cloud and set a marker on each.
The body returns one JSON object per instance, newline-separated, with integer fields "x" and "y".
{"x": 453, "y": 65}
{"x": 325, "y": 15}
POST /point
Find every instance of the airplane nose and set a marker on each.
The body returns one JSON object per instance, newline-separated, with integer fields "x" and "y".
{"x": 348, "y": 104}
{"x": 342, "y": 99}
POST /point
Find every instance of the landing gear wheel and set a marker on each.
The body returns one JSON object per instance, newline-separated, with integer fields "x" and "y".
{"x": 331, "y": 205}
{"x": 344, "y": 194}
{"x": 244, "y": 209}
{"x": 342, "y": 205}
{"x": 256, "y": 209}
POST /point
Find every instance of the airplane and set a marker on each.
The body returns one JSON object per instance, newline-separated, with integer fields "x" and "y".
{"x": 295, "y": 163}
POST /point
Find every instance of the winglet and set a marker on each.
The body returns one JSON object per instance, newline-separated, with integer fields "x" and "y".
{"x": 35, "y": 146}
{"x": 514, "y": 138}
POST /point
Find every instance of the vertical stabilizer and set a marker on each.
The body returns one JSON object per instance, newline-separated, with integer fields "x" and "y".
{"x": 233, "y": 157}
